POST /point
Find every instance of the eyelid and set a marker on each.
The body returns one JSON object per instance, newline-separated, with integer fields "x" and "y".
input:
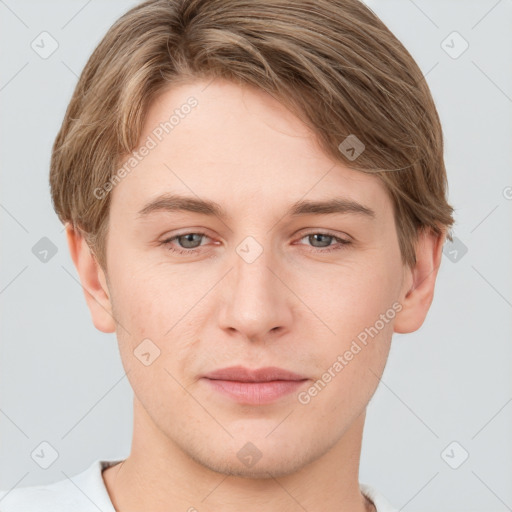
{"x": 328, "y": 232}
{"x": 188, "y": 231}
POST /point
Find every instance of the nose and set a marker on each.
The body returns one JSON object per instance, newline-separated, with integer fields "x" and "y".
{"x": 255, "y": 298}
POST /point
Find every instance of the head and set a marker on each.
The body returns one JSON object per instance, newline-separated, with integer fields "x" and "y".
{"x": 255, "y": 112}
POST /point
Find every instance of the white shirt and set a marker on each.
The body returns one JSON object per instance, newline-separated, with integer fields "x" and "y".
{"x": 86, "y": 492}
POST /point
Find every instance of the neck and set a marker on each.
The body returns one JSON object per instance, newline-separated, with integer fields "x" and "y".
{"x": 159, "y": 475}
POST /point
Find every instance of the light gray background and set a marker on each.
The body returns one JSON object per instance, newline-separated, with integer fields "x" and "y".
{"x": 62, "y": 381}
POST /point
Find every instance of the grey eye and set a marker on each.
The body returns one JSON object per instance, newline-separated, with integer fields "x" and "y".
{"x": 189, "y": 242}
{"x": 324, "y": 240}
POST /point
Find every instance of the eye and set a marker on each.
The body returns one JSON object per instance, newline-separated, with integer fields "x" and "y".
{"x": 325, "y": 239}
{"x": 189, "y": 243}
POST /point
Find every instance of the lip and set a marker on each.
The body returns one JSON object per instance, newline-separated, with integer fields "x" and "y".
{"x": 254, "y": 387}
{"x": 242, "y": 374}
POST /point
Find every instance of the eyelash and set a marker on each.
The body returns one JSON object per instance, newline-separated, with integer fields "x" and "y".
{"x": 341, "y": 243}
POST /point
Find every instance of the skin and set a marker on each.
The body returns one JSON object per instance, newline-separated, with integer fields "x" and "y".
{"x": 291, "y": 307}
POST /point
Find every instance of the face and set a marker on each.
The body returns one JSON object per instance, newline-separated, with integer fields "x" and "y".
{"x": 267, "y": 280}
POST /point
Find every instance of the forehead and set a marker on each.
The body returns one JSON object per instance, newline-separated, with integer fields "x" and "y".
{"x": 233, "y": 144}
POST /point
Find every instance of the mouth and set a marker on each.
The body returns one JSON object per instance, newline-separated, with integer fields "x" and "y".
{"x": 254, "y": 387}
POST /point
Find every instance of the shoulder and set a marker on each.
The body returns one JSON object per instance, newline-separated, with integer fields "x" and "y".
{"x": 81, "y": 493}
{"x": 380, "y": 502}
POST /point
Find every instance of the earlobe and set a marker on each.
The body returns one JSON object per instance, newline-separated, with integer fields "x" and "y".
{"x": 93, "y": 281}
{"x": 419, "y": 284}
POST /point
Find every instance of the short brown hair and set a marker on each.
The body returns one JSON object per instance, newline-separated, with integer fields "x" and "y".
{"x": 332, "y": 62}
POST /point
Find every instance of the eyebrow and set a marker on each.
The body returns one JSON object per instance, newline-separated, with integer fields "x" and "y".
{"x": 176, "y": 203}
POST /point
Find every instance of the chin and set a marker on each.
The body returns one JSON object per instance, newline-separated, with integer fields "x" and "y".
{"x": 268, "y": 463}
{"x": 261, "y": 470}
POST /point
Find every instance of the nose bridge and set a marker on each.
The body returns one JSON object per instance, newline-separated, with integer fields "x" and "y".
{"x": 255, "y": 298}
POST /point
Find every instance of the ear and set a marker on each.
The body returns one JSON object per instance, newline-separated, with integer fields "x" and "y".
{"x": 419, "y": 282}
{"x": 94, "y": 283}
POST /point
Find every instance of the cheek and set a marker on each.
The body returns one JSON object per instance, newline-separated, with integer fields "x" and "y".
{"x": 349, "y": 367}
{"x": 356, "y": 316}
{"x": 155, "y": 341}
{"x": 151, "y": 300}
{"x": 350, "y": 297}
{"x": 158, "y": 314}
